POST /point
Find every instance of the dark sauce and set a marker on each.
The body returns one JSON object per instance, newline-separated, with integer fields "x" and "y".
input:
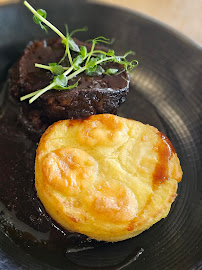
{"x": 22, "y": 216}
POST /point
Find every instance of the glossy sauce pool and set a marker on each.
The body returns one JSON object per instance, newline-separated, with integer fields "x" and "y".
{"x": 22, "y": 216}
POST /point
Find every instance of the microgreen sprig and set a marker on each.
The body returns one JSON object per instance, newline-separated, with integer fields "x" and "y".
{"x": 88, "y": 62}
{"x": 40, "y": 19}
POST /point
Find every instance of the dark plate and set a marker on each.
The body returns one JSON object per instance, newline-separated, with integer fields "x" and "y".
{"x": 166, "y": 91}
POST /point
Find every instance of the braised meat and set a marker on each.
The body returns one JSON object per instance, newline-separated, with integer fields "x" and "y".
{"x": 93, "y": 95}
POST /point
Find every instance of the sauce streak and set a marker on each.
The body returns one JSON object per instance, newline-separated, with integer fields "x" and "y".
{"x": 165, "y": 151}
{"x": 161, "y": 172}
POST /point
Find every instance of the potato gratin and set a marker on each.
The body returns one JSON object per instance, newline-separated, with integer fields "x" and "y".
{"x": 107, "y": 177}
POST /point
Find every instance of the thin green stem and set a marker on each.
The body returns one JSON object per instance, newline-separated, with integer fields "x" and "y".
{"x": 69, "y": 54}
{"x": 42, "y": 66}
{"x": 48, "y": 67}
{"x": 29, "y": 95}
{"x": 74, "y": 74}
{"x": 129, "y": 52}
{"x": 101, "y": 52}
{"x": 72, "y": 67}
{"x": 44, "y": 20}
{"x": 42, "y": 91}
{"x": 104, "y": 60}
{"x": 69, "y": 70}
{"x": 78, "y": 30}
{"x": 38, "y": 93}
{"x": 67, "y": 51}
{"x": 90, "y": 53}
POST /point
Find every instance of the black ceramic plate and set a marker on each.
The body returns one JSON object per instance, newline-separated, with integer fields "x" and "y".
{"x": 166, "y": 91}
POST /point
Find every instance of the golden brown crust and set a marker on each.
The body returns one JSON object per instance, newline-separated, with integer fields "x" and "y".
{"x": 107, "y": 177}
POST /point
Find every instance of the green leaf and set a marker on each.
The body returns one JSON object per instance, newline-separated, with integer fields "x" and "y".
{"x": 95, "y": 71}
{"x": 92, "y": 62}
{"x": 101, "y": 56}
{"x": 52, "y": 64}
{"x": 43, "y": 14}
{"x": 77, "y": 62}
{"x": 72, "y": 45}
{"x": 111, "y": 71}
{"x": 116, "y": 59}
{"x": 83, "y": 51}
{"x": 110, "y": 52}
{"x": 56, "y": 69}
{"x": 67, "y": 87}
{"x": 90, "y": 70}
{"x": 60, "y": 81}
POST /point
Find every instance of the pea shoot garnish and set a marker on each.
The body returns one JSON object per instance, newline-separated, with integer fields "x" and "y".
{"x": 84, "y": 61}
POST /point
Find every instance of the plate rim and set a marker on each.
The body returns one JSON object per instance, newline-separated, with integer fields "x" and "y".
{"x": 177, "y": 35}
{"x": 170, "y": 29}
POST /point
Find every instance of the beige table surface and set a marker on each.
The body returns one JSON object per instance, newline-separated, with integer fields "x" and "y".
{"x": 183, "y": 15}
